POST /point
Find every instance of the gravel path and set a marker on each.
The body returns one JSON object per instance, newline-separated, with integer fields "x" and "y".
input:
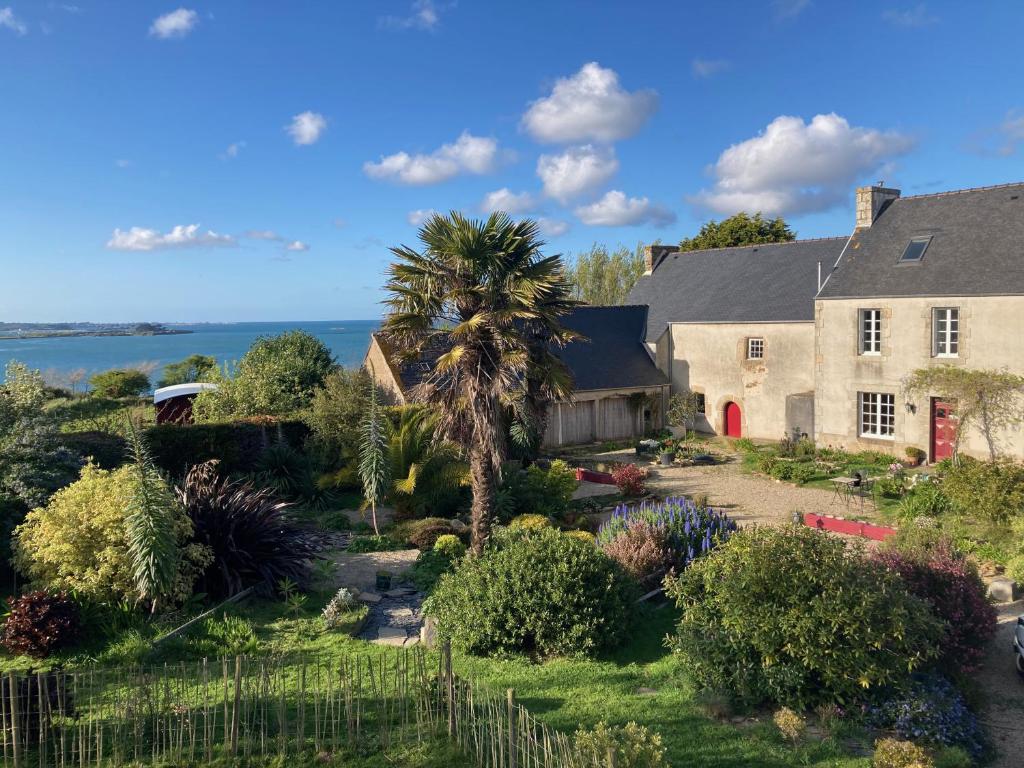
{"x": 1004, "y": 691}
{"x": 359, "y": 570}
{"x": 747, "y": 498}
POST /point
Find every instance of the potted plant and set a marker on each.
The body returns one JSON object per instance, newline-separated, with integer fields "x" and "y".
{"x": 915, "y": 456}
{"x": 668, "y": 452}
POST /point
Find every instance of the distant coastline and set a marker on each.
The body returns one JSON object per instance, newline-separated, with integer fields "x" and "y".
{"x": 15, "y": 331}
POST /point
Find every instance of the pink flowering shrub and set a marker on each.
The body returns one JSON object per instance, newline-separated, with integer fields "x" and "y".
{"x": 952, "y": 587}
{"x": 642, "y": 550}
{"x": 630, "y": 479}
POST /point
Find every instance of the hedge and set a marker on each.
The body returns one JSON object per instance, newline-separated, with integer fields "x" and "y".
{"x": 237, "y": 445}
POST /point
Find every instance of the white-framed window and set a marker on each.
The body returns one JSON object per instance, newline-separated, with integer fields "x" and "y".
{"x": 755, "y": 348}
{"x": 877, "y": 414}
{"x": 945, "y": 332}
{"x": 870, "y": 324}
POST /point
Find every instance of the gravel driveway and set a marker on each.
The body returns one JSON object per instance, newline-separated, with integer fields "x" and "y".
{"x": 1004, "y": 692}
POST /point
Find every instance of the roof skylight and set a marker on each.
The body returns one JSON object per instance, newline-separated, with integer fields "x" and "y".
{"x": 915, "y": 250}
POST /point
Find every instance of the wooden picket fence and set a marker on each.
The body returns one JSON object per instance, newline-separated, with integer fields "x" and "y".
{"x": 252, "y": 707}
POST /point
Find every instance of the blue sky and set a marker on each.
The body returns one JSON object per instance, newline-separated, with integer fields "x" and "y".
{"x": 253, "y": 160}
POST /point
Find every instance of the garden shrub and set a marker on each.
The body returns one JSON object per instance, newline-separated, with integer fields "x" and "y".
{"x": 744, "y": 445}
{"x": 930, "y": 710}
{"x": 529, "y": 523}
{"x": 923, "y": 500}
{"x": 635, "y": 746}
{"x": 39, "y": 623}
{"x": 238, "y": 445}
{"x": 651, "y": 540}
{"x": 426, "y": 536}
{"x": 791, "y": 725}
{"x": 536, "y": 592}
{"x": 950, "y": 584}
{"x": 803, "y": 472}
{"x": 253, "y": 539}
{"x": 450, "y": 546}
{"x": 430, "y": 566}
{"x": 992, "y": 491}
{"x": 796, "y": 617}
{"x": 539, "y": 491}
{"x": 336, "y": 413}
{"x": 584, "y": 536}
{"x": 893, "y": 753}
{"x": 953, "y": 757}
{"x": 631, "y": 480}
{"x": 119, "y": 383}
{"x": 105, "y": 450}
{"x": 78, "y": 542}
{"x": 338, "y": 606}
{"x": 422, "y": 534}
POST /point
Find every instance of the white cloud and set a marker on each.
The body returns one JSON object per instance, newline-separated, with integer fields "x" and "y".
{"x": 552, "y": 227}
{"x": 123, "y": 163}
{"x": 263, "y": 234}
{"x": 576, "y": 171}
{"x": 1012, "y": 130}
{"x": 307, "y": 128}
{"x": 590, "y": 105}
{"x": 708, "y": 67}
{"x": 795, "y": 167}
{"x": 297, "y": 245}
{"x": 181, "y": 236}
{"x": 616, "y": 210}
{"x": 469, "y": 154}
{"x": 420, "y": 215}
{"x": 506, "y": 200}
{"x": 424, "y": 14}
{"x": 788, "y": 9}
{"x": 12, "y": 22}
{"x": 232, "y": 150}
{"x": 174, "y": 24}
{"x": 918, "y": 16}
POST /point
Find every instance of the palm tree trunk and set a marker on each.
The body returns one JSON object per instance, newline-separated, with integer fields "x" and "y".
{"x": 482, "y": 479}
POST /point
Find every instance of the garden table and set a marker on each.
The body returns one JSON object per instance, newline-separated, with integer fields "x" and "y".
{"x": 846, "y": 488}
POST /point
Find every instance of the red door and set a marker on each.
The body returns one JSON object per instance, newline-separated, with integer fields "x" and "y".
{"x": 732, "y": 420}
{"x": 944, "y": 423}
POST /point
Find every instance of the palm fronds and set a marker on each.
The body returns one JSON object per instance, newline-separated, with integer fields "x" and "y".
{"x": 374, "y": 465}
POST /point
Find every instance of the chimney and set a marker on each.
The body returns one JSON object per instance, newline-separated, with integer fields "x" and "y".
{"x": 653, "y": 254}
{"x": 871, "y": 200}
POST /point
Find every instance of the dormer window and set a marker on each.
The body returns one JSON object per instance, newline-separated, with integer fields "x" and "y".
{"x": 915, "y": 249}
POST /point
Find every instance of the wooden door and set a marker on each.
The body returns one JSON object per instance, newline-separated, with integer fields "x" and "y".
{"x": 944, "y": 424}
{"x": 732, "y": 420}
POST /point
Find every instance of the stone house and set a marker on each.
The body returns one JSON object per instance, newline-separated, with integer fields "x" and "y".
{"x": 620, "y": 393}
{"x": 924, "y": 280}
{"x": 736, "y": 326}
{"x": 817, "y": 336}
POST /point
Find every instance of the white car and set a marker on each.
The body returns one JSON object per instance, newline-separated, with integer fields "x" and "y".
{"x": 1018, "y": 644}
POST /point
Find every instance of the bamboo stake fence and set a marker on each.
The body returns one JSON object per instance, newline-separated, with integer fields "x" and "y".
{"x": 252, "y": 708}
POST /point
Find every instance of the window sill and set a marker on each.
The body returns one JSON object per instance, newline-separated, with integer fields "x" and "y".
{"x": 869, "y": 354}
{"x": 880, "y": 438}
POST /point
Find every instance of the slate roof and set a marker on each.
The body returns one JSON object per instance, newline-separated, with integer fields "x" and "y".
{"x": 977, "y": 247}
{"x": 766, "y": 283}
{"x": 612, "y": 356}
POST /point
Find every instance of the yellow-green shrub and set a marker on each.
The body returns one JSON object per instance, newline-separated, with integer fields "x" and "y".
{"x": 893, "y": 753}
{"x": 529, "y": 523}
{"x": 586, "y": 536}
{"x": 77, "y": 542}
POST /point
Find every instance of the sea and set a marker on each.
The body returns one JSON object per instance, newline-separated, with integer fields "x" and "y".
{"x": 58, "y": 357}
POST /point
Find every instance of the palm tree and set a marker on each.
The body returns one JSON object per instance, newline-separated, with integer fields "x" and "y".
{"x": 426, "y": 470}
{"x": 473, "y": 292}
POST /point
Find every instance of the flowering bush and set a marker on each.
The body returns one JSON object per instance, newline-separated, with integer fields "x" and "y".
{"x": 931, "y": 710}
{"x": 956, "y": 593}
{"x": 791, "y": 725}
{"x": 630, "y": 479}
{"x": 650, "y": 540}
{"x": 796, "y": 617}
{"x": 40, "y": 623}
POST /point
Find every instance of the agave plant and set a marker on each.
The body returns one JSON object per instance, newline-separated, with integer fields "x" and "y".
{"x": 254, "y": 540}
